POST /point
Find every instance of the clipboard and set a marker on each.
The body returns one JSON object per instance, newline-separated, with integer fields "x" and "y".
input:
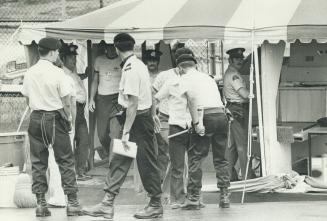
{"x": 118, "y": 148}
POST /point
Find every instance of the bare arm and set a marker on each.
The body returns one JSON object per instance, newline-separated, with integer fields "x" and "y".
{"x": 243, "y": 92}
{"x": 94, "y": 88}
{"x": 67, "y": 103}
{"x": 130, "y": 113}
{"x": 193, "y": 107}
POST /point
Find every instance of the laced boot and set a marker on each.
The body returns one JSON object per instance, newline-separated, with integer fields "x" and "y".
{"x": 73, "y": 208}
{"x": 152, "y": 210}
{"x": 105, "y": 208}
{"x": 224, "y": 201}
{"x": 191, "y": 204}
{"x": 42, "y": 208}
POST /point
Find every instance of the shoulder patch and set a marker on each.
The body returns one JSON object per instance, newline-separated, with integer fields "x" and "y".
{"x": 128, "y": 65}
{"x": 235, "y": 77}
{"x": 128, "y": 68}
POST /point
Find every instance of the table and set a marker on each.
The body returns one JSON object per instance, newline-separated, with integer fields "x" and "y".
{"x": 311, "y": 132}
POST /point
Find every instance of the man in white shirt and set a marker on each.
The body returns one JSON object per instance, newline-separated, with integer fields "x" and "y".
{"x": 135, "y": 96}
{"x": 104, "y": 97}
{"x": 210, "y": 124}
{"x": 48, "y": 95}
{"x": 68, "y": 55}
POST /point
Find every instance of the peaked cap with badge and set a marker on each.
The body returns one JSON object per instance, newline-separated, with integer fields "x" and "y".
{"x": 68, "y": 49}
{"x": 152, "y": 54}
{"x": 236, "y": 52}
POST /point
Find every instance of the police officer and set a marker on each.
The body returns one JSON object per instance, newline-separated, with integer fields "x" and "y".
{"x": 68, "y": 53}
{"x": 236, "y": 95}
{"x": 104, "y": 97}
{"x": 210, "y": 125}
{"x": 152, "y": 59}
{"x": 136, "y": 97}
{"x": 48, "y": 95}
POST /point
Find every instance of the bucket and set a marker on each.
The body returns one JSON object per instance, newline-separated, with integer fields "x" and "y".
{"x": 8, "y": 179}
{"x": 12, "y": 148}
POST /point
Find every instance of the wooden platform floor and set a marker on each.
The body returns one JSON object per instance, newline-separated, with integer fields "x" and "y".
{"x": 299, "y": 211}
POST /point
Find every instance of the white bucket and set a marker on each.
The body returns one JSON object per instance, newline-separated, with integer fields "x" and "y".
{"x": 8, "y": 179}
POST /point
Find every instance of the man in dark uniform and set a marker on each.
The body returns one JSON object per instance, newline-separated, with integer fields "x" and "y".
{"x": 48, "y": 95}
{"x": 136, "y": 97}
{"x": 210, "y": 125}
{"x": 68, "y": 53}
{"x": 237, "y": 97}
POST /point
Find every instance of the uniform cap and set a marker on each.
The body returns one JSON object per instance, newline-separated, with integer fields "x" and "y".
{"x": 152, "y": 54}
{"x": 123, "y": 38}
{"x": 68, "y": 49}
{"x": 183, "y": 50}
{"x": 236, "y": 52}
{"x": 185, "y": 57}
{"x": 49, "y": 43}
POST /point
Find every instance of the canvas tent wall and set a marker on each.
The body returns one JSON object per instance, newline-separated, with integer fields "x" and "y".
{"x": 262, "y": 22}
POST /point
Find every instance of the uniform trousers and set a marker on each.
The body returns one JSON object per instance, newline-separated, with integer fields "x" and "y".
{"x": 162, "y": 141}
{"x": 41, "y": 127}
{"x": 106, "y": 108}
{"x": 239, "y": 139}
{"x": 215, "y": 135}
{"x": 142, "y": 132}
{"x": 177, "y": 148}
{"x": 82, "y": 142}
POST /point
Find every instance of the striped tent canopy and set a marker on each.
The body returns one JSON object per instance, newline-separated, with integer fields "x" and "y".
{"x": 232, "y": 20}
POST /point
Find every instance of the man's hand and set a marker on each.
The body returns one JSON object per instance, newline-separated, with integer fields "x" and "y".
{"x": 157, "y": 124}
{"x": 125, "y": 139}
{"x": 92, "y": 105}
{"x": 200, "y": 129}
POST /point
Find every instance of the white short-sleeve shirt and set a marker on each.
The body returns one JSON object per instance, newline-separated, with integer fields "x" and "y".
{"x": 203, "y": 87}
{"x": 45, "y": 85}
{"x": 109, "y": 74}
{"x": 177, "y": 102}
{"x": 163, "y": 77}
{"x": 135, "y": 81}
{"x": 233, "y": 81}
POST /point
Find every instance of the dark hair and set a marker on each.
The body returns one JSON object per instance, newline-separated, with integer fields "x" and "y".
{"x": 43, "y": 51}
{"x": 125, "y": 46}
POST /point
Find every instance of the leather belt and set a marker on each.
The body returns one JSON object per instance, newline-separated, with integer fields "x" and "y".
{"x": 164, "y": 115}
{"x": 214, "y": 110}
{"x": 138, "y": 112}
{"x": 237, "y": 103}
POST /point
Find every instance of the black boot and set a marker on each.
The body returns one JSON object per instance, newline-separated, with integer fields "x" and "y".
{"x": 224, "y": 201}
{"x": 73, "y": 208}
{"x": 105, "y": 208}
{"x": 42, "y": 208}
{"x": 153, "y": 210}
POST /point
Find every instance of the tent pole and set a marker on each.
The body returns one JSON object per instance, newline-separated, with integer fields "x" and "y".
{"x": 259, "y": 105}
{"x": 91, "y": 115}
{"x": 249, "y": 146}
{"x": 222, "y": 57}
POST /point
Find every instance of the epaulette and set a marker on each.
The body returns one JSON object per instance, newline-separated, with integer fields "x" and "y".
{"x": 128, "y": 67}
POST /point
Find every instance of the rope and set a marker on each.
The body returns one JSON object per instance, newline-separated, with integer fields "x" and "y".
{"x": 44, "y": 132}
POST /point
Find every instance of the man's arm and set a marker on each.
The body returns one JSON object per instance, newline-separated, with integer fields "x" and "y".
{"x": 94, "y": 88}
{"x": 130, "y": 117}
{"x": 27, "y": 101}
{"x": 196, "y": 113}
{"x": 67, "y": 103}
{"x": 243, "y": 92}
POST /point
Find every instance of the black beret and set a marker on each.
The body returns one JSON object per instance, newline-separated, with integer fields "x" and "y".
{"x": 49, "y": 43}
{"x": 152, "y": 54}
{"x": 184, "y": 58}
{"x": 123, "y": 38}
{"x": 68, "y": 49}
{"x": 181, "y": 51}
{"x": 236, "y": 53}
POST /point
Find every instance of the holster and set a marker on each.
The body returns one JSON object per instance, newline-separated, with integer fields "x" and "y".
{"x": 121, "y": 117}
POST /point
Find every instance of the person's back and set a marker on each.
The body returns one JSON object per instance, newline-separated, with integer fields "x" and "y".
{"x": 44, "y": 87}
{"x": 204, "y": 87}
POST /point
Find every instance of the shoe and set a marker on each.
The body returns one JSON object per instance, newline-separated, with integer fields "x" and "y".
{"x": 224, "y": 201}
{"x": 191, "y": 205}
{"x": 42, "y": 207}
{"x": 149, "y": 212}
{"x": 83, "y": 177}
{"x": 104, "y": 209}
{"x": 153, "y": 210}
{"x": 73, "y": 208}
{"x": 175, "y": 205}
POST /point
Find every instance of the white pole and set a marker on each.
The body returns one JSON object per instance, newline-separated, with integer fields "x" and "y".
{"x": 259, "y": 104}
{"x": 249, "y": 147}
